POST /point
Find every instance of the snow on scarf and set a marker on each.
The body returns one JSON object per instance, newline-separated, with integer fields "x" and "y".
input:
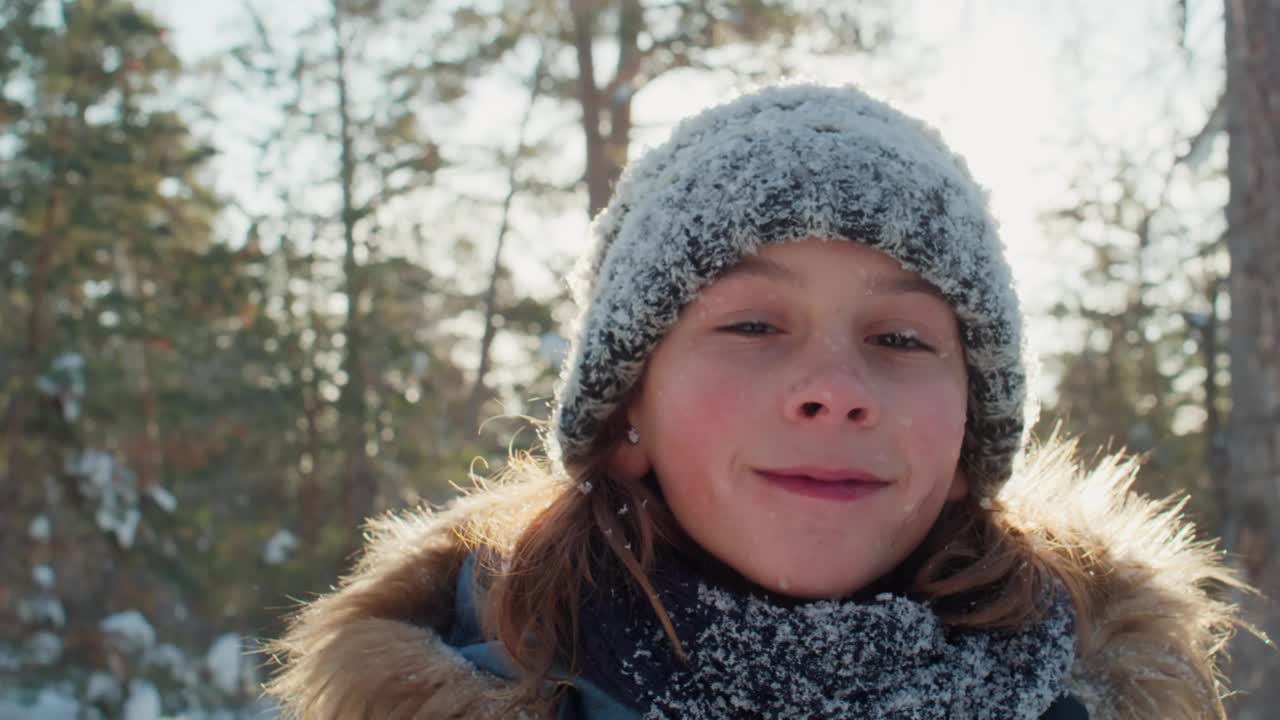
{"x": 886, "y": 657}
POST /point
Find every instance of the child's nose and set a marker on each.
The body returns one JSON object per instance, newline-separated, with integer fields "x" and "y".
{"x": 834, "y": 393}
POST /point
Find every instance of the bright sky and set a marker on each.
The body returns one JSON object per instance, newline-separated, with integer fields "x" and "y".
{"x": 1010, "y": 84}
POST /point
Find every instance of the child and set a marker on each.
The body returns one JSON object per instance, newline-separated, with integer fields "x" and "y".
{"x": 786, "y": 477}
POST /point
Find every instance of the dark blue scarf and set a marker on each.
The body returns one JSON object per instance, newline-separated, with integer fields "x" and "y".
{"x": 754, "y": 655}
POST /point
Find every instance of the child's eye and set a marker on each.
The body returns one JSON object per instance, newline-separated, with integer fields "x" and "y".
{"x": 905, "y": 340}
{"x": 750, "y": 327}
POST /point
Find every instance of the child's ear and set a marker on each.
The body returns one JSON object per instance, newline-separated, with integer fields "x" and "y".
{"x": 959, "y": 486}
{"x": 628, "y": 461}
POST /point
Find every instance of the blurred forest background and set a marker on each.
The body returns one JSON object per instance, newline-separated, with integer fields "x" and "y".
{"x": 268, "y": 269}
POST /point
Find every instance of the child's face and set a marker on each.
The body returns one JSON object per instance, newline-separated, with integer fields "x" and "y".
{"x": 804, "y": 416}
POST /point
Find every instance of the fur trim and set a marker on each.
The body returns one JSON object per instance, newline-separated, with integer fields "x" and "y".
{"x": 1150, "y": 620}
{"x": 1150, "y": 627}
{"x": 373, "y": 648}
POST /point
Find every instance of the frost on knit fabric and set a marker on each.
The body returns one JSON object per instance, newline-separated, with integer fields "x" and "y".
{"x": 783, "y": 164}
{"x": 887, "y": 657}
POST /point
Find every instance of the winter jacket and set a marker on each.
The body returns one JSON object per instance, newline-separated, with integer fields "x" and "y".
{"x": 399, "y": 639}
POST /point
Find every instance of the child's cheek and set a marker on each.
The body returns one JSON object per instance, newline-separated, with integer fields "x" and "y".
{"x": 710, "y": 396}
{"x": 939, "y": 423}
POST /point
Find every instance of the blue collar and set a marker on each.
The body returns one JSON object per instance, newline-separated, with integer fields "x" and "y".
{"x": 583, "y": 701}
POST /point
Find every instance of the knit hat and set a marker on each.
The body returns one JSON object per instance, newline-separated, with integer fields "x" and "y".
{"x": 785, "y": 163}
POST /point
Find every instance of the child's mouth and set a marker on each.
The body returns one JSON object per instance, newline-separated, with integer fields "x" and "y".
{"x": 823, "y": 483}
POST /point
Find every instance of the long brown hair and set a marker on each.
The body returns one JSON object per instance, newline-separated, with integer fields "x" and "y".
{"x": 563, "y": 535}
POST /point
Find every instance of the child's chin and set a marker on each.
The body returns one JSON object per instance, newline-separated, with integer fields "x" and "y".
{"x": 811, "y": 585}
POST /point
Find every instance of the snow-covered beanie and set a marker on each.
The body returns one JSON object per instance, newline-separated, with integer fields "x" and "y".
{"x": 784, "y": 163}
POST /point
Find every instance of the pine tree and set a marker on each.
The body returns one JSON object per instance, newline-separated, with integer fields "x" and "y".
{"x": 359, "y": 108}
{"x": 102, "y": 217}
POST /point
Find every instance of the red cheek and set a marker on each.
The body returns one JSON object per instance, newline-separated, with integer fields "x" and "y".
{"x": 716, "y": 399}
{"x": 704, "y": 410}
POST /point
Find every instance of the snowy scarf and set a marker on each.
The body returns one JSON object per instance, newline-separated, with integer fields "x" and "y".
{"x": 751, "y": 657}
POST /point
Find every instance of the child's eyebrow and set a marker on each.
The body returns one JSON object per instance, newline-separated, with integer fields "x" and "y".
{"x": 755, "y": 266}
{"x": 901, "y": 284}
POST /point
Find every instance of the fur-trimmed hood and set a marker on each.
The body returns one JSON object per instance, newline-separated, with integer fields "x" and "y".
{"x": 1150, "y": 625}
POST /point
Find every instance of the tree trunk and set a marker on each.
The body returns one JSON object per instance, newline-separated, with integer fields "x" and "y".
{"x": 21, "y": 473}
{"x": 148, "y": 461}
{"x": 1252, "y": 527}
{"x": 358, "y": 485}
{"x": 625, "y": 84}
{"x": 476, "y": 396}
{"x": 609, "y": 107}
{"x": 589, "y": 96}
{"x": 309, "y": 493}
{"x": 16, "y": 414}
{"x": 1214, "y": 432}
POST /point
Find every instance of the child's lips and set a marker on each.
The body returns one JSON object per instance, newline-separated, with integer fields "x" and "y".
{"x": 825, "y": 483}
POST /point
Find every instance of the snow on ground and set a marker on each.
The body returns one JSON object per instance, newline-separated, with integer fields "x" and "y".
{"x": 279, "y": 547}
{"x": 225, "y": 661}
{"x": 50, "y": 704}
{"x": 143, "y": 702}
{"x": 129, "y": 630}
